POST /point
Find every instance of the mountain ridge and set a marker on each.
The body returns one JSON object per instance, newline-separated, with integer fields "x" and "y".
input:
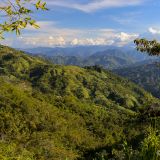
{"x": 110, "y": 58}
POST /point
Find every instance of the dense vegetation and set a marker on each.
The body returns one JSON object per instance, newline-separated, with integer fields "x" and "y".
{"x": 146, "y": 75}
{"x": 63, "y": 112}
{"x": 18, "y": 15}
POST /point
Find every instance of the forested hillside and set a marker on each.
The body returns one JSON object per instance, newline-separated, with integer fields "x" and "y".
{"x": 145, "y": 75}
{"x": 53, "y": 112}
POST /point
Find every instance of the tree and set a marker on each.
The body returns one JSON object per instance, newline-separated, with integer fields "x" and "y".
{"x": 16, "y": 14}
{"x": 150, "y": 47}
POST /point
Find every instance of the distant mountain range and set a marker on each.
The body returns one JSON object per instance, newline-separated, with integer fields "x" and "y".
{"x": 80, "y": 51}
{"x": 109, "y": 57}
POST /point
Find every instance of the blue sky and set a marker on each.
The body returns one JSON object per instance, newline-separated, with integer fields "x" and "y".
{"x": 91, "y": 22}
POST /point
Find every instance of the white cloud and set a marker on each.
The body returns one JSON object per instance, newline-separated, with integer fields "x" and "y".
{"x": 75, "y": 41}
{"x": 93, "y": 5}
{"x": 154, "y": 30}
{"x": 91, "y": 41}
{"x": 41, "y": 40}
{"x": 124, "y": 37}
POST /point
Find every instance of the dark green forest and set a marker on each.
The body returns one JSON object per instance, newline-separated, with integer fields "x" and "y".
{"x": 145, "y": 75}
{"x": 56, "y": 112}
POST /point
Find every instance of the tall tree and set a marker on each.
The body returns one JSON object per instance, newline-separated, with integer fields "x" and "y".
{"x": 16, "y": 14}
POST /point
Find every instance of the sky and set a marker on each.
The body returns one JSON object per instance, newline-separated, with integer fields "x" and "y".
{"x": 90, "y": 22}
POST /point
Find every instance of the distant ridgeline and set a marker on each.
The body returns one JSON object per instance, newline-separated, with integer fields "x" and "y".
{"x": 108, "y": 57}
{"x": 52, "y": 112}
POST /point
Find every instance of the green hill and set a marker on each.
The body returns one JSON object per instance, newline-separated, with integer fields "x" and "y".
{"x": 52, "y": 112}
{"x": 145, "y": 75}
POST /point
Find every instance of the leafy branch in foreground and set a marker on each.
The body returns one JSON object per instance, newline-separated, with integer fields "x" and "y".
{"x": 16, "y": 14}
{"x": 150, "y": 47}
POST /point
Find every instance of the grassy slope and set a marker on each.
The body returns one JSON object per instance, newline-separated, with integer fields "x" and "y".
{"x": 58, "y": 112}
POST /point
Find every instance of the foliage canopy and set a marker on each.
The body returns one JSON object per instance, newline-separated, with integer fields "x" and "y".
{"x": 150, "y": 47}
{"x": 16, "y": 14}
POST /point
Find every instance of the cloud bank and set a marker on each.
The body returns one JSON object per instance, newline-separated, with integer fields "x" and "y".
{"x": 49, "y": 35}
